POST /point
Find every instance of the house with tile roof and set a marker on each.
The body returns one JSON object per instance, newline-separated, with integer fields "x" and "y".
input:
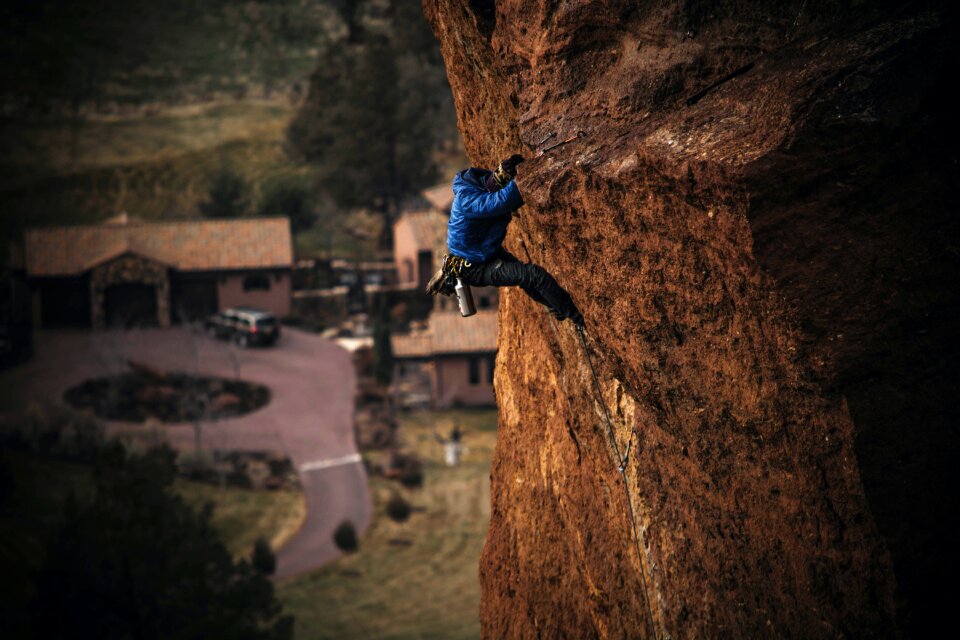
{"x": 126, "y": 271}
{"x": 453, "y": 358}
{"x": 440, "y": 197}
{"x": 419, "y": 244}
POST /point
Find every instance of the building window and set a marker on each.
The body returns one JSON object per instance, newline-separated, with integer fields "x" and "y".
{"x": 474, "y": 370}
{"x": 257, "y": 282}
{"x": 491, "y": 363}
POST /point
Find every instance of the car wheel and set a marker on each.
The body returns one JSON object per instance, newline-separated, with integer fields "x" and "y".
{"x": 212, "y": 332}
{"x": 242, "y": 340}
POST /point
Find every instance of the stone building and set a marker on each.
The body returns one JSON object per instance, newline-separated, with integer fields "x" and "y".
{"x": 127, "y": 272}
{"x": 452, "y": 361}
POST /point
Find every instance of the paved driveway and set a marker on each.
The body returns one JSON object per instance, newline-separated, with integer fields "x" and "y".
{"x": 310, "y": 415}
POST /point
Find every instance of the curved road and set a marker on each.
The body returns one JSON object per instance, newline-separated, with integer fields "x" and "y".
{"x": 310, "y": 415}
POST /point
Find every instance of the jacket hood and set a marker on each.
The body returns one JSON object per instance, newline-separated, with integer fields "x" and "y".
{"x": 473, "y": 177}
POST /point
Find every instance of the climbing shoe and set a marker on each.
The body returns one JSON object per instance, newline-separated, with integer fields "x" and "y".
{"x": 441, "y": 283}
{"x": 577, "y": 318}
{"x": 574, "y": 316}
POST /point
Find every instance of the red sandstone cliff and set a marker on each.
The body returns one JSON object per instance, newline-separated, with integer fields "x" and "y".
{"x": 769, "y": 277}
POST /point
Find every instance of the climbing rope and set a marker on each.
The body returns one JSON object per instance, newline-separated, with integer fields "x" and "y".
{"x": 622, "y": 468}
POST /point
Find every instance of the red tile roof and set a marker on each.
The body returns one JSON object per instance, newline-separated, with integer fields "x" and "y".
{"x": 429, "y": 230}
{"x": 411, "y": 346}
{"x": 449, "y": 333}
{"x": 187, "y": 245}
{"x": 440, "y": 196}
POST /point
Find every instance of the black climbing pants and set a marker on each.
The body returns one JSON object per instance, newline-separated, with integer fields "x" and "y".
{"x": 504, "y": 270}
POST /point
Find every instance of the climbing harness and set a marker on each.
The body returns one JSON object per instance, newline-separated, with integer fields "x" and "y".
{"x": 448, "y": 281}
{"x": 454, "y": 265}
{"x": 444, "y": 281}
{"x": 622, "y": 468}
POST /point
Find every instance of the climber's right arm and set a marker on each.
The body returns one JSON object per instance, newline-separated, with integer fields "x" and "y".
{"x": 492, "y": 205}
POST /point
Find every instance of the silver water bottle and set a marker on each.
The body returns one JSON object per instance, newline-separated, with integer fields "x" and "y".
{"x": 465, "y": 298}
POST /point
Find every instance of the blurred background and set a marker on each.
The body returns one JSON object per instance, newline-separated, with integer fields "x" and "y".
{"x": 217, "y": 220}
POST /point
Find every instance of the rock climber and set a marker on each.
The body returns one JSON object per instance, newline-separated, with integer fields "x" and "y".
{"x": 484, "y": 202}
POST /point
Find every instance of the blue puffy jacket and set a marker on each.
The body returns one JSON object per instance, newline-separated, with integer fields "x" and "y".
{"x": 478, "y": 218}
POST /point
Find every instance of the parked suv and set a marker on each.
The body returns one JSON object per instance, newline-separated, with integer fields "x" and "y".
{"x": 244, "y": 326}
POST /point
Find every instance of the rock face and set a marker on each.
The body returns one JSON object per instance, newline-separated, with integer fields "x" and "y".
{"x": 768, "y": 270}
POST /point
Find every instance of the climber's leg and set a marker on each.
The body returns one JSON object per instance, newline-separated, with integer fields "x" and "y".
{"x": 505, "y": 270}
{"x": 508, "y": 257}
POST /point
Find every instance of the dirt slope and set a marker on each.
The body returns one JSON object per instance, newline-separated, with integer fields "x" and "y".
{"x": 769, "y": 276}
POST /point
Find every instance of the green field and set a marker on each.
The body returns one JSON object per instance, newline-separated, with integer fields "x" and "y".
{"x": 416, "y": 579}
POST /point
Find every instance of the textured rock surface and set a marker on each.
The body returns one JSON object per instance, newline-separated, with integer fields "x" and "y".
{"x": 769, "y": 277}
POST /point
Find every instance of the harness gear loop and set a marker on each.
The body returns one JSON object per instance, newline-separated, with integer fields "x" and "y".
{"x": 454, "y": 265}
{"x": 444, "y": 281}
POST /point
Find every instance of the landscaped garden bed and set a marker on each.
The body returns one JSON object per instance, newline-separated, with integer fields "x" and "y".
{"x": 141, "y": 393}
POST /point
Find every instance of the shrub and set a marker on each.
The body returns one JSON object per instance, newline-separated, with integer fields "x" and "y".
{"x": 288, "y": 197}
{"x": 100, "y": 573}
{"x": 197, "y": 466}
{"x": 263, "y": 559}
{"x": 397, "y": 508}
{"x": 81, "y": 438}
{"x": 229, "y": 195}
{"x": 238, "y": 478}
{"x": 411, "y": 471}
{"x": 7, "y": 481}
{"x": 345, "y": 537}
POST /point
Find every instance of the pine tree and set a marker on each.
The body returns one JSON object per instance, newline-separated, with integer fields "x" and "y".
{"x": 228, "y": 196}
{"x": 382, "y": 348}
{"x": 137, "y": 562}
{"x": 288, "y": 197}
{"x": 374, "y": 114}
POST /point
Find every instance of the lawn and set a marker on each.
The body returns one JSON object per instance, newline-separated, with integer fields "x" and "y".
{"x": 416, "y": 579}
{"x": 241, "y": 516}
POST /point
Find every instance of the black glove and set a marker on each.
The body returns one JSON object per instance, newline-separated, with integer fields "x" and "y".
{"x": 507, "y": 170}
{"x": 509, "y": 166}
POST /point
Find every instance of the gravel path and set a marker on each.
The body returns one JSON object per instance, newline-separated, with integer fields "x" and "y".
{"x": 310, "y": 415}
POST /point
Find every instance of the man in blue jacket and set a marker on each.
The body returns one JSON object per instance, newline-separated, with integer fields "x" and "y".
{"x": 483, "y": 205}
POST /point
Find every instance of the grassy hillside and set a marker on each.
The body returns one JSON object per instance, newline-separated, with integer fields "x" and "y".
{"x": 154, "y": 167}
{"x": 41, "y": 150}
{"x": 151, "y": 166}
{"x": 64, "y": 56}
{"x": 109, "y": 107}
